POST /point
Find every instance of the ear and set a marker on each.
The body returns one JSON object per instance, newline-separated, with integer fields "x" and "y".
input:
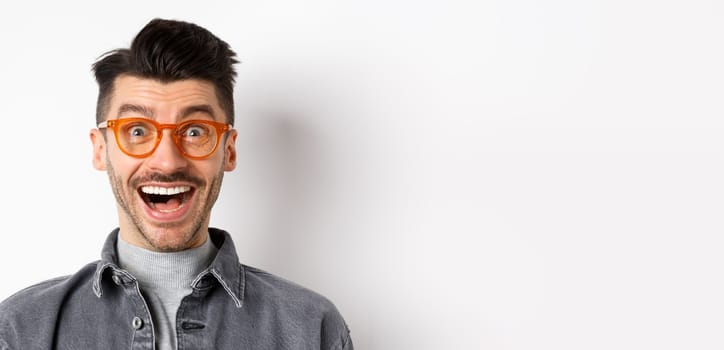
{"x": 99, "y": 149}
{"x": 230, "y": 151}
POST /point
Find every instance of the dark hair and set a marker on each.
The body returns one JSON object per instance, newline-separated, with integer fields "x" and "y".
{"x": 170, "y": 50}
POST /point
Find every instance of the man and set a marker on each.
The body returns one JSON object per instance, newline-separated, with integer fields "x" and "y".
{"x": 165, "y": 279}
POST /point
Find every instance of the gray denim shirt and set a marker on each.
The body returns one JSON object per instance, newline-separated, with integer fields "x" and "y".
{"x": 232, "y": 306}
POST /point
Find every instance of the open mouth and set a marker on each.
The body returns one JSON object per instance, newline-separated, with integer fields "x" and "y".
{"x": 165, "y": 199}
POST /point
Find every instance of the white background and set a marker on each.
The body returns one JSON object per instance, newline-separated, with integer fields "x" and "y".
{"x": 452, "y": 175}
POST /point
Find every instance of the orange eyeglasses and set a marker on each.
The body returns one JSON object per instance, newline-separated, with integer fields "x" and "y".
{"x": 139, "y": 137}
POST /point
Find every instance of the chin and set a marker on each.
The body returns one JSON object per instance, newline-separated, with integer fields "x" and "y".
{"x": 171, "y": 240}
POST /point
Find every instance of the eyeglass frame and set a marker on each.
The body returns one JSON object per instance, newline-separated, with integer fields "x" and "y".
{"x": 112, "y": 124}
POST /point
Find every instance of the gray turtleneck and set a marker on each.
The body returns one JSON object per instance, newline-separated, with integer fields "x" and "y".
{"x": 164, "y": 279}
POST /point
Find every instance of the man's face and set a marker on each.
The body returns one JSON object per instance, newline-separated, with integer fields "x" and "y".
{"x": 178, "y": 218}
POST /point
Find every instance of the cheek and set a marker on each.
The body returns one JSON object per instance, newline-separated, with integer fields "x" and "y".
{"x": 211, "y": 169}
{"x": 123, "y": 166}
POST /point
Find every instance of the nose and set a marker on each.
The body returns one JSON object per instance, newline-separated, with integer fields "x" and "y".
{"x": 167, "y": 158}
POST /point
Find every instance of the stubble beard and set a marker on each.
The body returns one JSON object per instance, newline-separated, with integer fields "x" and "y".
{"x": 126, "y": 199}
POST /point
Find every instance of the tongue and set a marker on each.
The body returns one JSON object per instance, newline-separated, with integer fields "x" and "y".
{"x": 171, "y": 204}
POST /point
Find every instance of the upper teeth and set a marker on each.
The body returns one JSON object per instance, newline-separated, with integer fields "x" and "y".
{"x": 165, "y": 190}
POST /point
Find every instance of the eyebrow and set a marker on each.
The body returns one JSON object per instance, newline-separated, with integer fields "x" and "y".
{"x": 144, "y": 111}
{"x": 135, "y": 109}
{"x": 205, "y": 109}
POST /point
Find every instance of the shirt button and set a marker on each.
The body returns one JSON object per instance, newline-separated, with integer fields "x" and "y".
{"x": 137, "y": 322}
{"x": 116, "y": 280}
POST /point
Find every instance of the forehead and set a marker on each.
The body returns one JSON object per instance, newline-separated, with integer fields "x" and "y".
{"x": 163, "y": 98}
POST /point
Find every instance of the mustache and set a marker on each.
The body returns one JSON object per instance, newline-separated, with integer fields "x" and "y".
{"x": 173, "y": 177}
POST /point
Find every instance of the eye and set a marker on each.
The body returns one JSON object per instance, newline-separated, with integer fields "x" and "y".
{"x": 195, "y": 131}
{"x": 138, "y": 130}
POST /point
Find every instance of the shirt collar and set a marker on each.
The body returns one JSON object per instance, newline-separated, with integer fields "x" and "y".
{"x": 225, "y": 268}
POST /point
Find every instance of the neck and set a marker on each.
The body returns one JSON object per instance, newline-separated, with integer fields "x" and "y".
{"x": 164, "y": 270}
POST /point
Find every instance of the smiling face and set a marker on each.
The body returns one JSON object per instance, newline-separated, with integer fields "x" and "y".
{"x": 164, "y": 200}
